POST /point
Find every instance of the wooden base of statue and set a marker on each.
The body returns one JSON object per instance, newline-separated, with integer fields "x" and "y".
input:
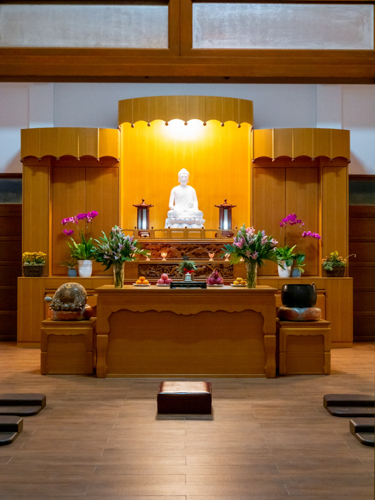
{"x": 67, "y": 347}
{"x": 304, "y": 347}
{"x": 153, "y": 332}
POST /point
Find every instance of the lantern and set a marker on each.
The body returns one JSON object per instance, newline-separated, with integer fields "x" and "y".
{"x": 225, "y": 218}
{"x": 143, "y": 218}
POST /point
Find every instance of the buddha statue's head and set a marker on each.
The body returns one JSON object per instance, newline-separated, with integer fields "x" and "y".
{"x": 183, "y": 176}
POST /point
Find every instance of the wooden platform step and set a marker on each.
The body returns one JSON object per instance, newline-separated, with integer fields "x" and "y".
{"x": 22, "y": 404}
{"x": 363, "y": 430}
{"x": 10, "y": 427}
{"x": 349, "y": 405}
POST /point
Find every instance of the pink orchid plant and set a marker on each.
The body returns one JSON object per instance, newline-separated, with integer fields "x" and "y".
{"x": 292, "y": 220}
{"x": 285, "y": 254}
{"x": 85, "y": 249}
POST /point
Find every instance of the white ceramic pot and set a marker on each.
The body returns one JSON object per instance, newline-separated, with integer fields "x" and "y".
{"x": 286, "y": 272}
{"x": 85, "y": 268}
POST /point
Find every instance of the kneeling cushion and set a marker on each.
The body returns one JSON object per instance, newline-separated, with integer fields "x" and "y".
{"x": 21, "y": 404}
{"x": 185, "y": 397}
{"x": 349, "y": 405}
{"x": 10, "y": 427}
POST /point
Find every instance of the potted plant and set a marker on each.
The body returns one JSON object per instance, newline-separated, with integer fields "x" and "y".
{"x": 84, "y": 251}
{"x": 254, "y": 248}
{"x": 298, "y": 264}
{"x": 71, "y": 265}
{"x": 299, "y": 257}
{"x": 33, "y": 264}
{"x": 187, "y": 267}
{"x": 116, "y": 249}
{"x": 335, "y": 265}
{"x": 285, "y": 258}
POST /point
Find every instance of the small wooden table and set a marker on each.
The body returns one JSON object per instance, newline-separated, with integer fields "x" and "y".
{"x": 67, "y": 347}
{"x": 155, "y": 331}
{"x": 305, "y": 347}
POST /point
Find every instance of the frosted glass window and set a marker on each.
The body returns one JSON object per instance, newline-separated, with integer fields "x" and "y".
{"x": 102, "y": 26}
{"x": 285, "y": 26}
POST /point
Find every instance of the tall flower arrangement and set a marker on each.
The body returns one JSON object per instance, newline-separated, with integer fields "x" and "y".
{"x": 253, "y": 248}
{"x": 85, "y": 249}
{"x": 116, "y": 249}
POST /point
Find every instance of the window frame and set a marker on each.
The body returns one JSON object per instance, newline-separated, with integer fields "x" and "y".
{"x": 180, "y": 62}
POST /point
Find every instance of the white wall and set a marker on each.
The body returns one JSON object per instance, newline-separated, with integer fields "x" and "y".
{"x": 95, "y": 105}
{"x": 22, "y": 105}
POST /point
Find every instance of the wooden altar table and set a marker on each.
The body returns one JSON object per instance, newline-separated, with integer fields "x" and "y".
{"x": 155, "y": 331}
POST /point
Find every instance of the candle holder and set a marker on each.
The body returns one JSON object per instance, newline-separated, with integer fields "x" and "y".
{"x": 164, "y": 255}
{"x": 211, "y": 256}
{"x": 227, "y": 255}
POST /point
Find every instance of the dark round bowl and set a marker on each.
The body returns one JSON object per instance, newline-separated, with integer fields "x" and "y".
{"x": 298, "y": 295}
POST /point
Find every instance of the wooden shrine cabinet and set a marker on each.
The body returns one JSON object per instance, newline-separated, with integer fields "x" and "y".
{"x": 267, "y": 174}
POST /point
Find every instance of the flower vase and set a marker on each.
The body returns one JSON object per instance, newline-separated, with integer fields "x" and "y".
{"x": 85, "y": 268}
{"x": 188, "y": 277}
{"x": 118, "y": 274}
{"x": 296, "y": 273}
{"x": 286, "y": 272}
{"x": 251, "y": 274}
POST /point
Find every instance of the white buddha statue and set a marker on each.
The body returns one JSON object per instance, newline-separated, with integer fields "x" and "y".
{"x": 183, "y": 205}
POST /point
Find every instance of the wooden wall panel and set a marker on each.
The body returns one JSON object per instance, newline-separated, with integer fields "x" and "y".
{"x": 302, "y": 198}
{"x": 9, "y": 272}
{"x": 216, "y": 157}
{"x": 11, "y": 249}
{"x": 362, "y": 270}
{"x": 268, "y": 206}
{"x": 334, "y": 210}
{"x": 339, "y": 310}
{"x": 36, "y": 207}
{"x": 364, "y": 300}
{"x": 102, "y": 195}
{"x": 364, "y": 250}
{"x": 30, "y": 309}
{"x": 10, "y": 267}
{"x": 8, "y": 321}
{"x": 68, "y": 199}
{"x": 363, "y": 274}
{"x": 361, "y": 227}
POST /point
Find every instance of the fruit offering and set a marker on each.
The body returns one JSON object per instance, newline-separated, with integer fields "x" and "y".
{"x": 164, "y": 280}
{"x": 239, "y": 281}
{"x": 215, "y": 278}
{"x": 142, "y": 281}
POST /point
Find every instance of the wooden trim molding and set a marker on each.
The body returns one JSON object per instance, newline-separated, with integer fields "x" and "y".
{"x": 185, "y": 108}
{"x": 10, "y": 176}
{"x": 298, "y": 142}
{"x": 71, "y": 141}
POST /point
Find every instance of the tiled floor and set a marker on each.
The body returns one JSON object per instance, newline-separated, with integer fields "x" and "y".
{"x": 267, "y": 440}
